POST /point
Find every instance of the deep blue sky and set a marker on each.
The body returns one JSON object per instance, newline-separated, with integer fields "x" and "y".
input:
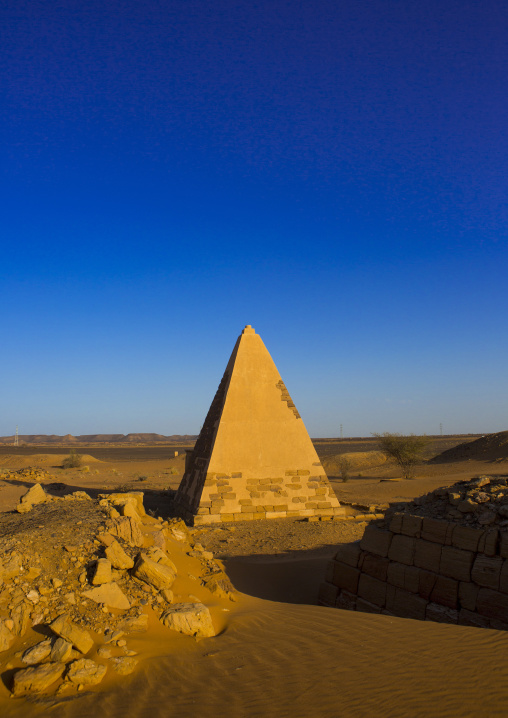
{"x": 333, "y": 173}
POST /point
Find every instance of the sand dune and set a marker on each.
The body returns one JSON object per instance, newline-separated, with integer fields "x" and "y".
{"x": 279, "y": 659}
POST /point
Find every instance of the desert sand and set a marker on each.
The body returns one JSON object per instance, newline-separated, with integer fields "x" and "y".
{"x": 280, "y": 654}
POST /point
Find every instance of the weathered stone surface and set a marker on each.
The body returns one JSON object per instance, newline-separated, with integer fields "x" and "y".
{"x": 159, "y": 556}
{"x": 437, "y": 531}
{"x": 34, "y": 495}
{"x": 427, "y": 555}
{"x": 36, "y": 654}
{"x": 395, "y": 574}
{"x": 349, "y": 553}
{"x": 65, "y": 628}
{"x": 466, "y": 537}
{"x": 445, "y": 591}
{"x": 427, "y": 581}
{"x": 21, "y": 618}
{"x": 136, "y": 624}
{"x": 61, "y": 651}
{"x": 126, "y": 528}
{"x": 155, "y": 574}
{"x": 467, "y": 506}
{"x": 456, "y": 563}
{"x": 6, "y": 636}
{"x": 133, "y": 498}
{"x": 376, "y": 541}
{"x": 346, "y": 601}
{"x": 345, "y": 576}
{"x": 124, "y": 665}
{"x": 36, "y": 679}
{"x": 486, "y": 571}
{"x": 328, "y": 594}
{"x": 372, "y": 590}
{"x": 396, "y": 523}
{"x": 109, "y": 593}
{"x": 13, "y": 566}
{"x": 375, "y": 566}
{"x": 441, "y": 614}
{"x": 191, "y": 619}
{"x": 470, "y": 618}
{"x": 366, "y": 607}
{"x": 102, "y": 573}
{"x": 411, "y": 525}
{"x": 489, "y": 541}
{"x": 117, "y": 557}
{"x": 402, "y": 549}
{"x": 503, "y": 548}
{"x": 492, "y": 604}
{"x": 85, "y": 672}
{"x": 468, "y": 593}
{"x": 405, "y": 604}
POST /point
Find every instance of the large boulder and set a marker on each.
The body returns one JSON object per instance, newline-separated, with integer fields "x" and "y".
{"x": 37, "y": 654}
{"x": 85, "y": 672}
{"x": 118, "y": 557}
{"x": 102, "y": 573}
{"x": 126, "y": 528}
{"x": 34, "y": 495}
{"x": 192, "y": 619}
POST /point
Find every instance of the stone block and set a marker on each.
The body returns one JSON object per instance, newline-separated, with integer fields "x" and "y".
{"x": 227, "y": 517}
{"x": 375, "y": 566}
{"x": 366, "y": 607}
{"x": 498, "y": 625}
{"x": 441, "y": 614}
{"x": 503, "y": 546}
{"x": 402, "y": 549}
{"x": 396, "y": 523}
{"x": 349, "y": 553}
{"x": 492, "y": 604}
{"x": 427, "y": 581}
{"x": 376, "y": 541}
{"x": 327, "y": 594}
{"x": 311, "y": 504}
{"x": 395, "y": 574}
{"x": 489, "y": 542}
{"x": 275, "y": 514}
{"x": 486, "y": 571}
{"x": 371, "y": 590}
{"x": 468, "y": 593}
{"x": 468, "y": 618}
{"x": 466, "y": 537}
{"x": 427, "y": 555}
{"x": 345, "y": 576}
{"x": 456, "y": 563}
{"x": 411, "y": 579}
{"x": 445, "y": 592}
{"x": 346, "y": 601}
{"x": 405, "y": 604}
{"x": 245, "y": 502}
{"x": 280, "y": 507}
{"x": 503, "y": 578}
{"x": 437, "y": 531}
{"x": 411, "y": 525}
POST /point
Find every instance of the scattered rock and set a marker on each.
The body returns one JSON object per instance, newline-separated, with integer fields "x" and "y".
{"x": 6, "y": 635}
{"x": 124, "y": 665}
{"x": 126, "y": 528}
{"x": 61, "y": 651}
{"x": 154, "y": 574}
{"x": 110, "y": 594}
{"x": 117, "y": 556}
{"x": 102, "y": 572}
{"x": 36, "y": 679}
{"x": 85, "y": 672}
{"x": 191, "y": 619}
{"x": 65, "y": 628}
{"x": 37, "y": 654}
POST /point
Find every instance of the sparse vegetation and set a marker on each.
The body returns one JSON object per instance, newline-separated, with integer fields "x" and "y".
{"x": 405, "y": 450}
{"x": 344, "y": 468}
{"x": 73, "y": 461}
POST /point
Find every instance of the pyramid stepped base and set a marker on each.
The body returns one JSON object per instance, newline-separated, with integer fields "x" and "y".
{"x": 217, "y": 518}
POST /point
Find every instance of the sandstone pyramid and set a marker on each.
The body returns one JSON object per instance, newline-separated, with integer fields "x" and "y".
{"x": 253, "y": 458}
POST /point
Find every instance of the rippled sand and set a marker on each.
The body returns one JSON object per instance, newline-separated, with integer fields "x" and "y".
{"x": 281, "y": 659}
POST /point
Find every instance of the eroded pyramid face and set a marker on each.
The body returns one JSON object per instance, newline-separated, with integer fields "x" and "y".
{"x": 254, "y": 457}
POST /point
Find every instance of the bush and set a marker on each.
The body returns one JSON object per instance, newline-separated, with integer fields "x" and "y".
{"x": 73, "y": 461}
{"x": 344, "y": 469}
{"x": 405, "y": 450}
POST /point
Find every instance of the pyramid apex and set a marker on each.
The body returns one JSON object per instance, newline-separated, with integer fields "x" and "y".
{"x": 248, "y": 329}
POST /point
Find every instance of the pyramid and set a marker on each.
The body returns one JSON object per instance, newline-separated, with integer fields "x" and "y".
{"x": 253, "y": 458}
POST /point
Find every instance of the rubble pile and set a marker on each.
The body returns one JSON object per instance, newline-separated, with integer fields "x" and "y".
{"x": 29, "y": 473}
{"x": 87, "y": 575}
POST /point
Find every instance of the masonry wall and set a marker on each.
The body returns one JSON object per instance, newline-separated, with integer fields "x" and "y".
{"x": 423, "y": 568}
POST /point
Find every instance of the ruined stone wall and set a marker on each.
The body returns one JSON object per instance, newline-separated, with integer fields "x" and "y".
{"x": 423, "y": 568}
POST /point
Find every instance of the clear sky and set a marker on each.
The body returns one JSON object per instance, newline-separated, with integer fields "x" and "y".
{"x": 333, "y": 173}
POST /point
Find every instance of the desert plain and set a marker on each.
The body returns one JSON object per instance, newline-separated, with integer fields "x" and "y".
{"x": 277, "y": 653}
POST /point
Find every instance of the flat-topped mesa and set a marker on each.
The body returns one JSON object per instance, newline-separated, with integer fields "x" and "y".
{"x": 253, "y": 458}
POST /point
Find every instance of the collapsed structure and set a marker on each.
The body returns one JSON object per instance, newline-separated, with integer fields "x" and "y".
{"x": 253, "y": 458}
{"x": 443, "y": 557}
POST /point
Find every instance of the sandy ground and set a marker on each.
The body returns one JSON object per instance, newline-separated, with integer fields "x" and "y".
{"x": 280, "y": 654}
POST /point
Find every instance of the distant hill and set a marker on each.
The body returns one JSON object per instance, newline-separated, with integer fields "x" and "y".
{"x": 98, "y": 439}
{"x": 487, "y": 448}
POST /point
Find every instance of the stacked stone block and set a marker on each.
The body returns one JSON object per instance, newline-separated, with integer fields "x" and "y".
{"x": 423, "y": 568}
{"x": 231, "y": 497}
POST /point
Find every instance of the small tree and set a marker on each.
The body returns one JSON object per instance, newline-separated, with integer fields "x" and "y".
{"x": 73, "y": 461}
{"x": 405, "y": 450}
{"x": 344, "y": 468}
